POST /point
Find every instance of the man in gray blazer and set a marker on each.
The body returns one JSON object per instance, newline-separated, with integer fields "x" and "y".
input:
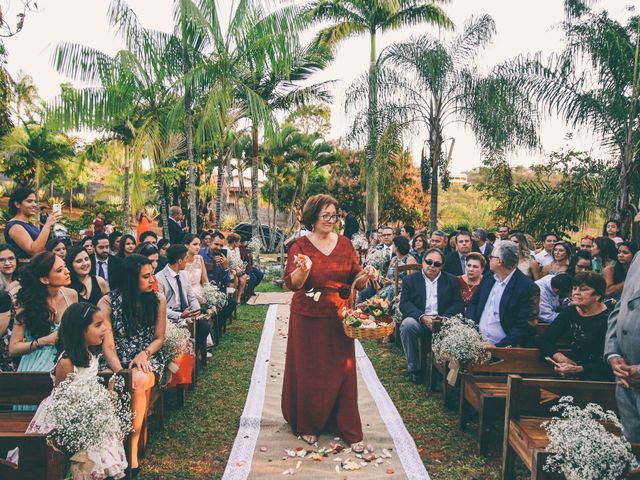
{"x": 622, "y": 351}
{"x": 175, "y": 284}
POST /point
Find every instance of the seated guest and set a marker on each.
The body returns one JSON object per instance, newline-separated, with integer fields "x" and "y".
{"x": 114, "y": 241}
{"x": 426, "y": 295}
{"x": 103, "y": 263}
{"x": 150, "y": 251}
{"x": 615, "y": 275}
{"x": 408, "y": 232}
{"x": 419, "y": 245}
{"x": 87, "y": 243}
{"x": 7, "y": 362}
{"x": 175, "y": 284}
{"x": 237, "y": 268}
{"x": 586, "y": 243}
{"x": 561, "y": 259}
{"x": 553, "y": 288}
{"x": 217, "y": 267}
{"x": 526, "y": 263}
{"x": 42, "y": 299}
{"x": 90, "y": 288}
{"x": 8, "y": 266}
{"x": 456, "y": 262}
{"x": 255, "y": 274}
{"x": 24, "y": 237}
{"x": 194, "y": 265}
{"x": 401, "y": 257}
{"x": 506, "y": 301}
{"x": 439, "y": 240}
{"x": 136, "y": 319}
{"x": 604, "y": 253}
{"x": 580, "y": 262}
{"x": 479, "y": 235}
{"x": 82, "y": 331}
{"x": 163, "y": 245}
{"x": 491, "y": 238}
{"x": 57, "y": 246}
{"x": 584, "y": 325}
{"x": 149, "y": 237}
{"x": 545, "y": 256}
{"x": 470, "y": 281}
{"x": 127, "y": 246}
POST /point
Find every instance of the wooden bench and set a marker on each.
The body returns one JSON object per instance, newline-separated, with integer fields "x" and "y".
{"x": 37, "y": 459}
{"x": 529, "y": 403}
{"x": 483, "y": 388}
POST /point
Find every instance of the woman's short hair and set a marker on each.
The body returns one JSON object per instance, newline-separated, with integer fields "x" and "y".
{"x": 424, "y": 240}
{"x": 478, "y": 257}
{"x": 607, "y": 247}
{"x": 402, "y": 244}
{"x": 233, "y": 237}
{"x": 312, "y": 208}
{"x": 19, "y": 195}
{"x": 592, "y": 280}
{"x": 580, "y": 254}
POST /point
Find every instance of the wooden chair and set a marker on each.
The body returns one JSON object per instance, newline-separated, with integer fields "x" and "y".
{"x": 396, "y": 291}
{"x": 529, "y": 402}
{"x": 483, "y": 388}
{"x": 37, "y": 459}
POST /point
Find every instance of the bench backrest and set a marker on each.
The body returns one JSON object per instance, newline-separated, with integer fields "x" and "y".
{"x": 524, "y": 361}
{"x": 30, "y": 388}
{"x": 534, "y": 397}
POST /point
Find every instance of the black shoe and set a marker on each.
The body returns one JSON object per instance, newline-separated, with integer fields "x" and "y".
{"x": 416, "y": 378}
{"x": 134, "y": 472}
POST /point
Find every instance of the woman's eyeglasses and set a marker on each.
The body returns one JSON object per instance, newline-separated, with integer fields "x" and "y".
{"x": 434, "y": 263}
{"x": 327, "y": 217}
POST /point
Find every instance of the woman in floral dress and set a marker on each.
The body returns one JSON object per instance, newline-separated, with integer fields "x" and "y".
{"x": 136, "y": 320}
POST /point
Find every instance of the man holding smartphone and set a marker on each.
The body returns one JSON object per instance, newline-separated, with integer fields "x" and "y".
{"x": 217, "y": 265}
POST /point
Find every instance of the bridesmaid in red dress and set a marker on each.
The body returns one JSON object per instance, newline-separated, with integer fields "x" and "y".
{"x": 320, "y": 391}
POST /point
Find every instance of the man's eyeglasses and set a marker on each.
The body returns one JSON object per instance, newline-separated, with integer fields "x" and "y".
{"x": 327, "y": 217}
{"x": 434, "y": 263}
{"x": 7, "y": 260}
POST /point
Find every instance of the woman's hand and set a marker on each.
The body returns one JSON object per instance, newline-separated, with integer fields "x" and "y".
{"x": 370, "y": 272}
{"x": 562, "y": 358}
{"x": 141, "y": 362}
{"x": 302, "y": 262}
{"x": 52, "y": 219}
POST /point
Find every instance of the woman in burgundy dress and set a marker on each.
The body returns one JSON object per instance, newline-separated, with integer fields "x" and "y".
{"x": 320, "y": 390}
{"x": 470, "y": 281}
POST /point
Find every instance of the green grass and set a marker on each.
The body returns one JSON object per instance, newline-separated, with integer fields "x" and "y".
{"x": 196, "y": 440}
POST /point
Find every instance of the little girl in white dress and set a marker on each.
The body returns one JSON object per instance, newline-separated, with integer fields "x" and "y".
{"x": 82, "y": 327}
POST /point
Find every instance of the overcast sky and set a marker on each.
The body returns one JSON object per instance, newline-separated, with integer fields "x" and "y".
{"x": 522, "y": 27}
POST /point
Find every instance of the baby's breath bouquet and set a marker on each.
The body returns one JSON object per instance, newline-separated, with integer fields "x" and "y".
{"x": 359, "y": 242}
{"x": 459, "y": 343}
{"x": 375, "y": 259}
{"x": 215, "y": 299}
{"x": 83, "y": 414}
{"x": 582, "y": 447}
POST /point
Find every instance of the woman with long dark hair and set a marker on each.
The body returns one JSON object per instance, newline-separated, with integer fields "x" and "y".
{"x": 561, "y": 259}
{"x": 136, "y": 317}
{"x": 603, "y": 253}
{"x": 42, "y": 299}
{"x": 616, "y": 274}
{"x": 127, "y": 245}
{"x": 57, "y": 246}
{"x": 20, "y": 234}
{"x": 90, "y": 288}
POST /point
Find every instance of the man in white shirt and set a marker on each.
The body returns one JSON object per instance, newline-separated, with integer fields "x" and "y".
{"x": 545, "y": 256}
{"x": 505, "y": 302}
{"x": 426, "y": 295}
{"x": 552, "y": 289}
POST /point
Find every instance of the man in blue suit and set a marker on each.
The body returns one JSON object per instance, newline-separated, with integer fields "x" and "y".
{"x": 426, "y": 295}
{"x": 506, "y": 300}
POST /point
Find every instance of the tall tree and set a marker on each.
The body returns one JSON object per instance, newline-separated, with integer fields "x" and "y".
{"x": 432, "y": 84}
{"x": 358, "y": 17}
{"x": 594, "y": 82}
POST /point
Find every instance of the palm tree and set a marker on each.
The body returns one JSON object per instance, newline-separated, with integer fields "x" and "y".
{"x": 594, "y": 82}
{"x": 25, "y": 93}
{"x": 254, "y": 67}
{"x": 357, "y": 17}
{"x": 433, "y": 84}
{"x": 32, "y": 153}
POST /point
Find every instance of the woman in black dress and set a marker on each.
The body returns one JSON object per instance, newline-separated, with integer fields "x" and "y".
{"x": 584, "y": 326}
{"x": 90, "y": 288}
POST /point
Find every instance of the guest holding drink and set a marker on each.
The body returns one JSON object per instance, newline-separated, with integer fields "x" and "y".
{"x": 318, "y": 399}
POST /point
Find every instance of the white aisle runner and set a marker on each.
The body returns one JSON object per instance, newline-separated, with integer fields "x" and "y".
{"x": 262, "y": 425}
